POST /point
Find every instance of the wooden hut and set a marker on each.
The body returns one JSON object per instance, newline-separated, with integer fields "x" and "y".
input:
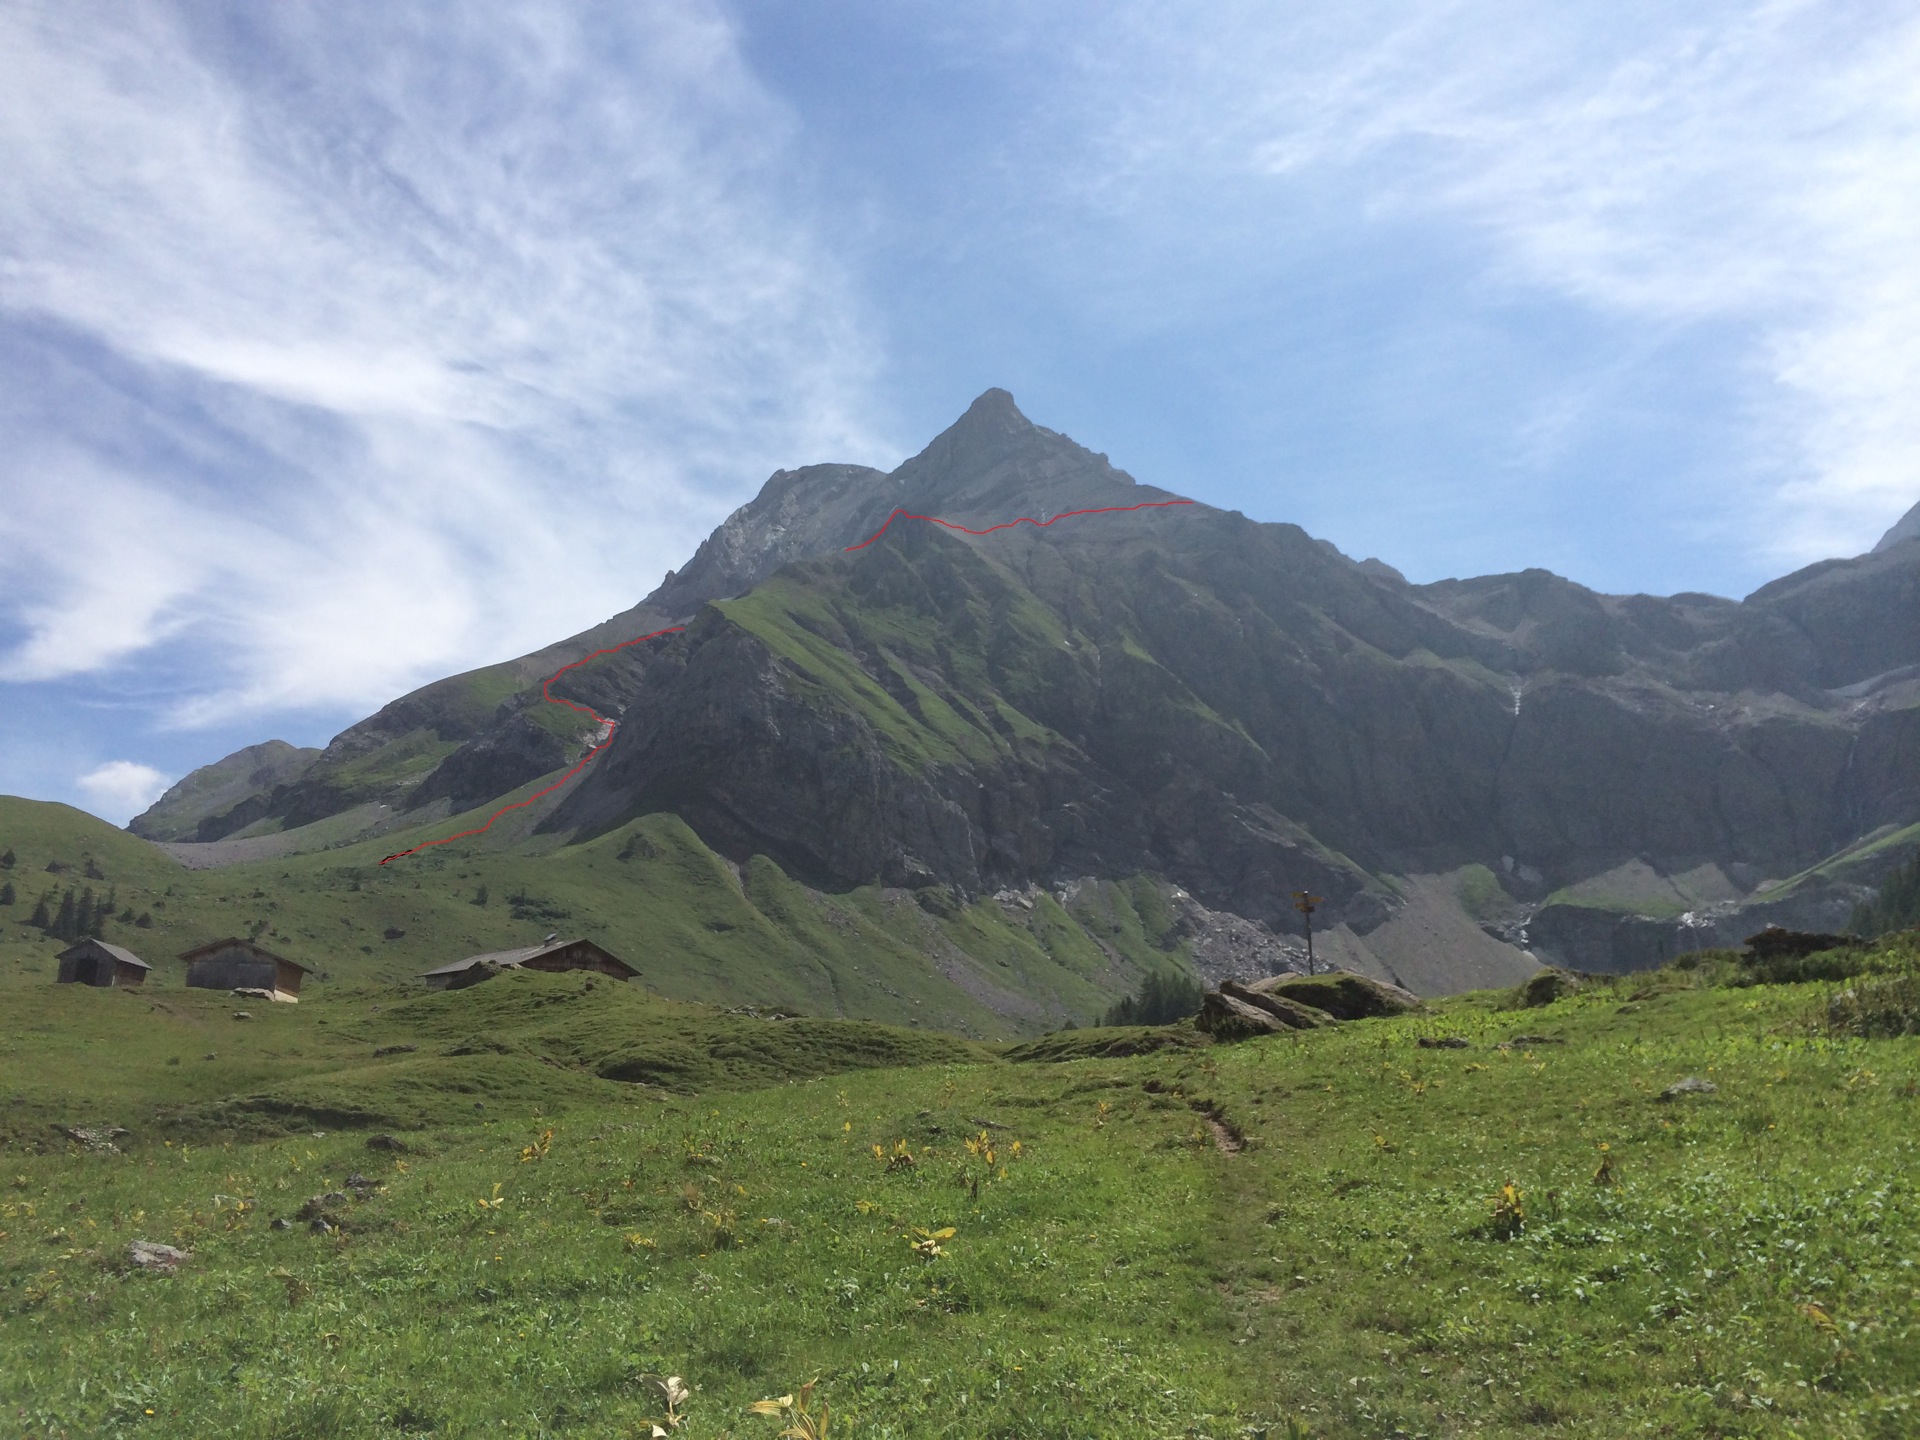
{"x": 552, "y": 956}
{"x": 94, "y": 962}
{"x": 235, "y": 964}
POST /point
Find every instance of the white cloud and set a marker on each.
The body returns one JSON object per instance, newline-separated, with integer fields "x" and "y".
{"x": 121, "y": 789}
{"x": 425, "y": 339}
{"x": 1751, "y": 165}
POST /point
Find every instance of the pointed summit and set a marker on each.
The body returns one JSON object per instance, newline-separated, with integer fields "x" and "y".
{"x": 993, "y": 409}
{"x": 993, "y": 465}
{"x": 991, "y": 432}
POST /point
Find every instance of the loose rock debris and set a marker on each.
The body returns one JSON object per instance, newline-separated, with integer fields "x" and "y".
{"x": 159, "y": 1259}
{"x": 95, "y": 1137}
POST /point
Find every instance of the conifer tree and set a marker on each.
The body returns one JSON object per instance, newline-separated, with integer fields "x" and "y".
{"x": 7, "y": 896}
{"x": 8, "y": 860}
{"x": 42, "y": 918}
{"x": 64, "y": 920}
{"x": 1161, "y": 1000}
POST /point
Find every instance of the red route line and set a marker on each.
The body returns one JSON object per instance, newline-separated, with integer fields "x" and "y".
{"x": 599, "y": 719}
{"x": 1009, "y": 524}
{"x": 585, "y": 759}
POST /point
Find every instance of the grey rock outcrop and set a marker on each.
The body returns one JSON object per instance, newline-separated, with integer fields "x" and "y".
{"x": 1297, "y": 1002}
{"x": 1342, "y": 995}
{"x": 1228, "y": 1017}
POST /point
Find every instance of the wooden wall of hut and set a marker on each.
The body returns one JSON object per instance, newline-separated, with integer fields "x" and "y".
{"x": 89, "y": 962}
{"x": 579, "y": 957}
{"x": 237, "y": 967}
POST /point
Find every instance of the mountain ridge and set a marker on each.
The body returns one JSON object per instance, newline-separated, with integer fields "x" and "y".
{"x": 1233, "y": 705}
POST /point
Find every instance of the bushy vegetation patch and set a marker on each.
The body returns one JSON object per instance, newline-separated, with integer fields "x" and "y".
{"x": 1877, "y": 1009}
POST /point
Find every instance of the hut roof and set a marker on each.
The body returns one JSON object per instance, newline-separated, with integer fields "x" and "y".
{"x": 458, "y": 965}
{"x": 510, "y": 959}
{"x": 236, "y": 941}
{"x": 118, "y": 952}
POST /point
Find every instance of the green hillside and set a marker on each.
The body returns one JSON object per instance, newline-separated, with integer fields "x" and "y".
{"x": 696, "y": 927}
{"x": 1342, "y": 1232}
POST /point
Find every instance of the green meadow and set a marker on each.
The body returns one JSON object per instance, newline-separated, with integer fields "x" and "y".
{"x": 697, "y": 927}
{"x": 500, "y": 1211}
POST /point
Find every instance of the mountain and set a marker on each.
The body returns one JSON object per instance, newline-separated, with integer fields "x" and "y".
{"x": 1467, "y": 771}
{"x": 222, "y": 797}
{"x": 1905, "y": 529}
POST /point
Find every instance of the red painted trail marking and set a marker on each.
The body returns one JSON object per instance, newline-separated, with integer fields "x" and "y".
{"x": 1009, "y": 524}
{"x": 585, "y": 760}
{"x": 606, "y": 738}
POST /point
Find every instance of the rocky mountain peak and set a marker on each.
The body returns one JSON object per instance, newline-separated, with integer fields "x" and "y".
{"x": 991, "y": 432}
{"x": 797, "y": 515}
{"x": 993, "y": 463}
{"x": 990, "y": 465}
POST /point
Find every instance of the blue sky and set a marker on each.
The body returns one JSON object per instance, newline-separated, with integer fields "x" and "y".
{"x": 343, "y": 345}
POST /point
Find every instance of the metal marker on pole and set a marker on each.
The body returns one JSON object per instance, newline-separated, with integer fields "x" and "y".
{"x": 1305, "y": 904}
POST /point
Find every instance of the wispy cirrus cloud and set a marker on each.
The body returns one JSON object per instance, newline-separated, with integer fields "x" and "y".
{"x": 356, "y": 345}
{"x": 1751, "y": 164}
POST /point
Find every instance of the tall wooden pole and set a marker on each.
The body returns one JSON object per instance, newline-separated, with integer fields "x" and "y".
{"x": 1305, "y": 904}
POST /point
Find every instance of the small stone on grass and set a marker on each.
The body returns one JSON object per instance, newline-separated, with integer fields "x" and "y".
{"x": 1692, "y": 1085}
{"x": 159, "y": 1259}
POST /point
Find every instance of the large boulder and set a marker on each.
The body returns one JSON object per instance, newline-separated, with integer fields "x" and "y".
{"x": 1340, "y": 994}
{"x": 1289, "y": 1012}
{"x": 1227, "y": 1018}
{"x": 1546, "y": 987}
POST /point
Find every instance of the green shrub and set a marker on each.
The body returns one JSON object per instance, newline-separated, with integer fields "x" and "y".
{"x": 1877, "y": 1009}
{"x": 1799, "y": 969}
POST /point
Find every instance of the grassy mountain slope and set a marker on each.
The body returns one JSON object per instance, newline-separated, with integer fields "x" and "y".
{"x": 1311, "y": 1235}
{"x": 697, "y": 927}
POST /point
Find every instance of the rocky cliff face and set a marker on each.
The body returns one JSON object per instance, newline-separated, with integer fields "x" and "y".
{"x": 1181, "y": 691}
{"x": 1226, "y": 704}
